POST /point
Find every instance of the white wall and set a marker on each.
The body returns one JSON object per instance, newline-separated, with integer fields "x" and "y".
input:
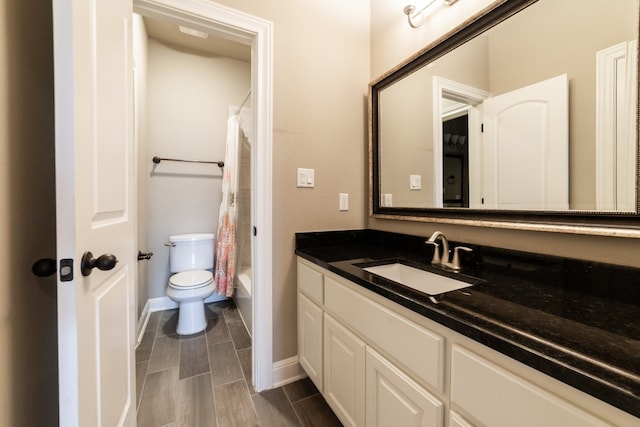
{"x": 187, "y": 109}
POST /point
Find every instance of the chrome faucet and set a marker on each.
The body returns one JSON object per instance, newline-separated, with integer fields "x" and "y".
{"x": 443, "y": 260}
{"x": 437, "y": 258}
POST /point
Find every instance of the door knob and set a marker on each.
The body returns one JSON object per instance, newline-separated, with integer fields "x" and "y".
{"x": 103, "y": 262}
{"x": 44, "y": 267}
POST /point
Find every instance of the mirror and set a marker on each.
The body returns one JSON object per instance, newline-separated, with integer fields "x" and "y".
{"x": 531, "y": 109}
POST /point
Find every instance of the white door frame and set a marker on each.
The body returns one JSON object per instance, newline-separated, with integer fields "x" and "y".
{"x": 256, "y": 32}
{"x": 473, "y": 98}
{"x": 616, "y": 90}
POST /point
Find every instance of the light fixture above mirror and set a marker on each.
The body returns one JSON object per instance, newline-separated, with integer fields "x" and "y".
{"x": 416, "y": 18}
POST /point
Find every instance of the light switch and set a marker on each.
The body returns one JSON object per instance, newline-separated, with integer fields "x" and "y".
{"x": 388, "y": 200}
{"x": 344, "y": 201}
{"x": 415, "y": 182}
{"x": 306, "y": 178}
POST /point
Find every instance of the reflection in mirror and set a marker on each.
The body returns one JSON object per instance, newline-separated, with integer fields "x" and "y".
{"x": 539, "y": 113}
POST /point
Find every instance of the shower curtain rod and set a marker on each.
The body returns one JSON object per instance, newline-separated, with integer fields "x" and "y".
{"x": 157, "y": 160}
{"x": 246, "y": 98}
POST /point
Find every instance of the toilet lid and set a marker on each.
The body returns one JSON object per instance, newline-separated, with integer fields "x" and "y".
{"x": 191, "y": 279}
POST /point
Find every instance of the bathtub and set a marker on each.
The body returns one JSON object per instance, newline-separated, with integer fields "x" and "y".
{"x": 242, "y": 295}
{"x": 243, "y": 283}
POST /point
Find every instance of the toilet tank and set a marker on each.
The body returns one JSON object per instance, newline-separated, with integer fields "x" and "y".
{"x": 191, "y": 252}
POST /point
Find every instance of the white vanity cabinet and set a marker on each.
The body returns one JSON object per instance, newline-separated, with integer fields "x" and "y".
{"x": 362, "y": 386}
{"x": 380, "y": 364}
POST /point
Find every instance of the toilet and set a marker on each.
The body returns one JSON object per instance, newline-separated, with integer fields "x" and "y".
{"x": 191, "y": 261}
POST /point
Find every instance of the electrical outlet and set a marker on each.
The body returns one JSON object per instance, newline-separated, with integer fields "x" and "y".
{"x": 388, "y": 200}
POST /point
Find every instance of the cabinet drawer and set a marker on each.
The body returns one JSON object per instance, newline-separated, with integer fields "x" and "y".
{"x": 498, "y": 398}
{"x": 416, "y": 348}
{"x": 310, "y": 282}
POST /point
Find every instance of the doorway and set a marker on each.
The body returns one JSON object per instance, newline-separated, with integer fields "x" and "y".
{"x": 455, "y": 161}
{"x": 453, "y": 100}
{"x": 253, "y": 33}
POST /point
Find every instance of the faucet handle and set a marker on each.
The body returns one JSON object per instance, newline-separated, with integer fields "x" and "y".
{"x": 455, "y": 264}
{"x": 436, "y": 252}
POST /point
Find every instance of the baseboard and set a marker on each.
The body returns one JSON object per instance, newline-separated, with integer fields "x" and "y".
{"x": 164, "y": 303}
{"x": 287, "y": 371}
{"x": 143, "y": 321}
{"x": 161, "y": 303}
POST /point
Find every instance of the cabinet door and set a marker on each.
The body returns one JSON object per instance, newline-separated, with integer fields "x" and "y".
{"x": 344, "y": 374}
{"x": 394, "y": 399}
{"x": 456, "y": 420}
{"x": 310, "y": 339}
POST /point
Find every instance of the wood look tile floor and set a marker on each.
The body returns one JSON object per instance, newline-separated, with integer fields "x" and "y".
{"x": 205, "y": 379}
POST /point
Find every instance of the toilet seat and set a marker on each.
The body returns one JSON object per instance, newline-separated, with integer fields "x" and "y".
{"x": 191, "y": 279}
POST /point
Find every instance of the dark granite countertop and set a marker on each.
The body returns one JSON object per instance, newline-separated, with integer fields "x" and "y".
{"x": 576, "y": 321}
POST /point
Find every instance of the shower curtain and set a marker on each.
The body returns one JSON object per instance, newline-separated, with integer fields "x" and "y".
{"x": 226, "y": 247}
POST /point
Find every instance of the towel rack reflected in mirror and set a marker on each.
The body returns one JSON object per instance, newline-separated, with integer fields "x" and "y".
{"x": 157, "y": 160}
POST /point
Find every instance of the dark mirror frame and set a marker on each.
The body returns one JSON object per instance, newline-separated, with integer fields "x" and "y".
{"x": 626, "y": 224}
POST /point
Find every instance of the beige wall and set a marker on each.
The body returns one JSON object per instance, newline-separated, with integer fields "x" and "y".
{"x": 392, "y": 40}
{"x": 28, "y": 353}
{"x": 320, "y": 77}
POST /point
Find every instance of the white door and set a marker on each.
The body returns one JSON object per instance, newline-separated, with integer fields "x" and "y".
{"x": 95, "y": 210}
{"x": 526, "y": 147}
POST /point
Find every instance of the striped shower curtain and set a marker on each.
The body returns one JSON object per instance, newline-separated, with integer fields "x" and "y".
{"x": 226, "y": 247}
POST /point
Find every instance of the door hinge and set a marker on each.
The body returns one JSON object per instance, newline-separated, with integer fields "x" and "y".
{"x": 482, "y": 201}
{"x": 255, "y": 231}
{"x": 482, "y": 128}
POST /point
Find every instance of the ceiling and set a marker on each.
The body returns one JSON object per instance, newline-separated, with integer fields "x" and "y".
{"x": 168, "y": 33}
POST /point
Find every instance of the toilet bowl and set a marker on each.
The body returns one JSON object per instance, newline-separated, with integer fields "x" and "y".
{"x": 189, "y": 289}
{"x": 191, "y": 259}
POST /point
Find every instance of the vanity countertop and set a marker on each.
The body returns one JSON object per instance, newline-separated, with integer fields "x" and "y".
{"x": 576, "y": 321}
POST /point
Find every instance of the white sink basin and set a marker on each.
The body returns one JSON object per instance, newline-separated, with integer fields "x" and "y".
{"x": 420, "y": 280}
